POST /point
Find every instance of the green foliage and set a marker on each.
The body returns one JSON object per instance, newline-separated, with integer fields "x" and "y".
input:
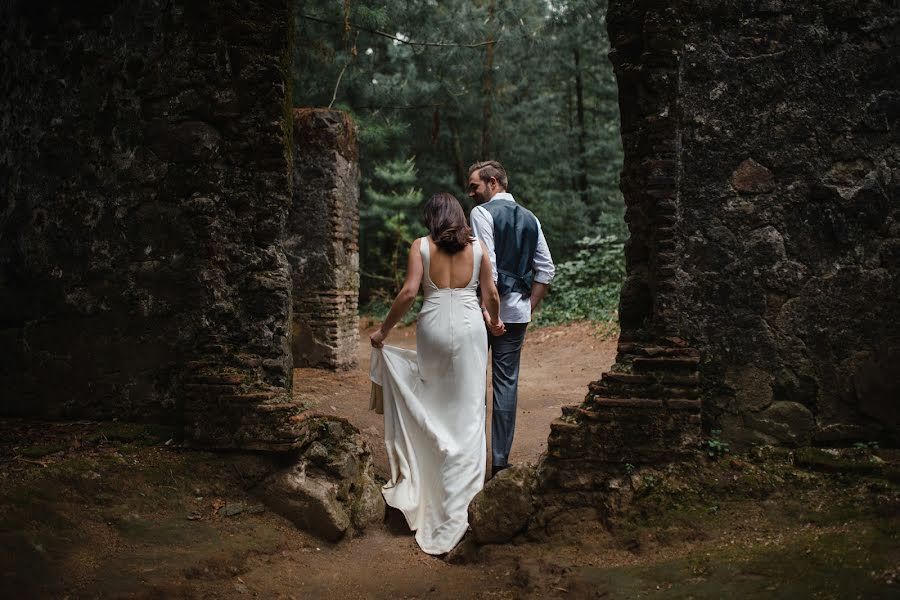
{"x": 379, "y": 307}
{"x": 388, "y": 214}
{"x": 542, "y": 101}
{"x": 586, "y": 287}
{"x": 714, "y": 447}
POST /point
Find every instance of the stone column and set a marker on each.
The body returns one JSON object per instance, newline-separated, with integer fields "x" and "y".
{"x": 145, "y": 179}
{"x": 647, "y": 408}
{"x": 322, "y": 243}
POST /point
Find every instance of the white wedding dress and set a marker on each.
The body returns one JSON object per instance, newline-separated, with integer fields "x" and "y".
{"x": 434, "y": 411}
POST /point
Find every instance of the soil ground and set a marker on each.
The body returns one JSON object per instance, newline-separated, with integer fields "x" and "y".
{"x": 91, "y": 510}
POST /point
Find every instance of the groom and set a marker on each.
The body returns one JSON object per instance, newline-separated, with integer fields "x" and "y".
{"x": 523, "y": 270}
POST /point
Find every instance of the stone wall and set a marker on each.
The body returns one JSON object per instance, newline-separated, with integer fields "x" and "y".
{"x": 788, "y": 277}
{"x": 322, "y": 243}
{"x": 145, "y": 181}
{"x": 763, "y": 270}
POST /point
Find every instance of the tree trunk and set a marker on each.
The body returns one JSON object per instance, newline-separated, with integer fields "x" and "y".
{"x": 459, "y": 166}
{"x": 579, "y": 113}
{"x": 487, "y": 88}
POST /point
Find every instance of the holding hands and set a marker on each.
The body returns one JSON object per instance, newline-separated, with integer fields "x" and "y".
{"x": 497, "y": 328}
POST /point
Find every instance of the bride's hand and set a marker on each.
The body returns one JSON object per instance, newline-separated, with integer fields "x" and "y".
{"x": 377, "y": 338}
{"x": 497, "y": 329}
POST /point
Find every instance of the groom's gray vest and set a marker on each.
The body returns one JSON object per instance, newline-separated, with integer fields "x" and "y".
{"x": 515, "y": 241}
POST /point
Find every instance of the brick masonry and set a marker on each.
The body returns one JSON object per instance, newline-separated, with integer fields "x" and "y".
{"x": 322, "y": 243}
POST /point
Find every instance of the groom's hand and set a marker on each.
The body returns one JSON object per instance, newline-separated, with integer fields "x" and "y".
{"x": 498, "y": 329}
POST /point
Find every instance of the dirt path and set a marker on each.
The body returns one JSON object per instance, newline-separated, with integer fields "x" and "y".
{"x": 557, "y": 365}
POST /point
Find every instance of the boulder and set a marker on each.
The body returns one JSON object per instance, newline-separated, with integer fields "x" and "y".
{"x": 505, "y": 506}
{"x": 310, "y": 502}
{"x": 329, "y": 490}
{"x": 788, "y": 422}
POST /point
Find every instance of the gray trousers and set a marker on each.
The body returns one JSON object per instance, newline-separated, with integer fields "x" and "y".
{"x": 506, "y": 350}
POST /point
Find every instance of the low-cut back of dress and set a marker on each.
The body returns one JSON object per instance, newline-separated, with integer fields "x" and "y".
{"x": 434, "y": 411}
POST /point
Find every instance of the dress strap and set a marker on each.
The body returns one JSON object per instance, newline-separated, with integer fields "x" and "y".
{"x": 476, "y": 261}
{"x": 425, "y": 251}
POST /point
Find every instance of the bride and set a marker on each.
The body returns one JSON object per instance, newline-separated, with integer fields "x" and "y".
{"x": 434, "y": 398}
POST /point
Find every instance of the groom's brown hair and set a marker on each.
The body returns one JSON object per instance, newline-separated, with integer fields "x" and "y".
{"x": 446, "y": 222}
{"x": 490, "y": 168}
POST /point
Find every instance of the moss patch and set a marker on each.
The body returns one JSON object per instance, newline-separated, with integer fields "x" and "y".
{"x": 842, "y": 564}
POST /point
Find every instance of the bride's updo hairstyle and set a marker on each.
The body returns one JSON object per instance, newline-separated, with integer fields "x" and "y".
{"x": 446, "y": 222}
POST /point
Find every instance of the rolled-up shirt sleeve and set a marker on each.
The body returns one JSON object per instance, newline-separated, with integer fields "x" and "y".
{"x": 483, "y": 228}
{"x": 544, "y": 270}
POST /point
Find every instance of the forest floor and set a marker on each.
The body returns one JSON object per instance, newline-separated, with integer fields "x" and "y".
{"x": 110, "y": 510}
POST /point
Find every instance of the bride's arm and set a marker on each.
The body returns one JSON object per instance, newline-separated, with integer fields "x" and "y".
{"x": 490, "y": 298}
{"x": 405, "y": 297}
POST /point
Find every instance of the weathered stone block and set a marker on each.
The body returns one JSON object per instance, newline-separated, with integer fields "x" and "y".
{"x": 750, "y": 177}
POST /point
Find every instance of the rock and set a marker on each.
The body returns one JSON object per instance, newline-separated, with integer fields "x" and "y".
{"x": 345, "y": 464}
{"x": 309, "y": 502}
{"x": 771, "y": 454}
{"x": 335, "y": 429}
{"x": 231, "y": 509}
{"x": 741, "y": 437}
{"x": 505, "y": 505}
{"x": 858, "y": 461}
{"x": 330, "y": 490}
{"x": 788, "y": 422}
{"x": 786, "y": 276}
{"x": 369, "y": 506}
{"x": 317, "y": 453}
{"x": 321, "y": 242}
{"x": 766, "y": 245}
{"x": 752, "y": 178}
{"x": 752, "y": 387}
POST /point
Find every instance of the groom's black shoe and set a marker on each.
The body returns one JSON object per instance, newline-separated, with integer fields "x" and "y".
{"x": 496, "y": 469}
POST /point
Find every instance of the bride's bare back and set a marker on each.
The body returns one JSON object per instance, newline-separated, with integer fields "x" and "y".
{"x": 450, "y": 270}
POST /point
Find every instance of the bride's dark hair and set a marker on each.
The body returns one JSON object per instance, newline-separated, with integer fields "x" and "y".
{"x": 446, "y": 222}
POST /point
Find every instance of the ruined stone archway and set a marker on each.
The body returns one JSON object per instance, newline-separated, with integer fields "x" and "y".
{"x": 147, "y": 181}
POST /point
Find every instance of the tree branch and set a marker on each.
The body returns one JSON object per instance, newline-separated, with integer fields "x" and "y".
{"x": 338, "y": 84}
{"x": 402, "y": 107}
{"x": 401, "y": 40}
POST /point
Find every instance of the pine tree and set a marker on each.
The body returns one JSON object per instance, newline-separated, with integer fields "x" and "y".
{"x": 451, "y": 82}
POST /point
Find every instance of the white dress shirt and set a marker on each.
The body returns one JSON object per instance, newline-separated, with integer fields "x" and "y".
{"x": 514, "y": 308}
